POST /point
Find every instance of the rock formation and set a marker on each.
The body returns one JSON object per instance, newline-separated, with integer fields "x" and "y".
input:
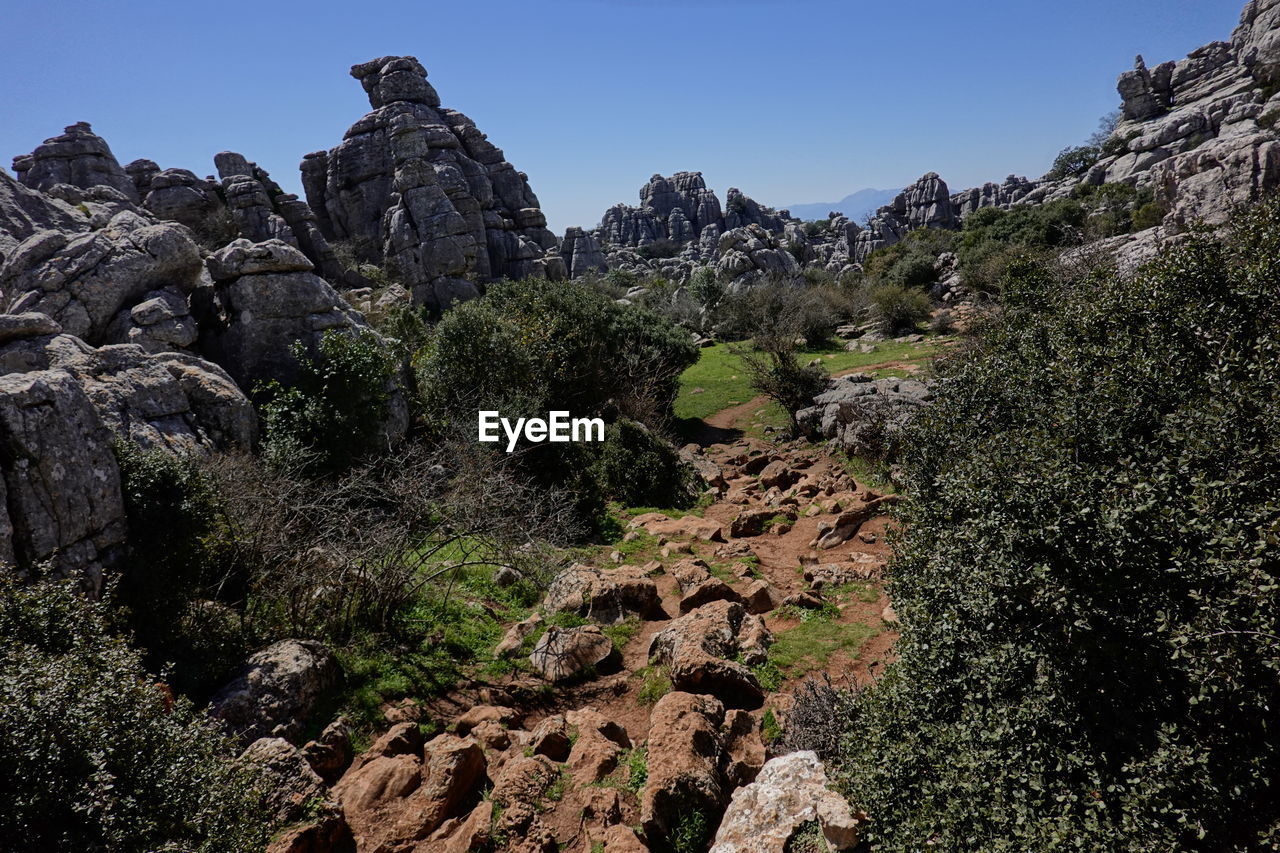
{"x": 80, "y": 158}
{"x": 680, "y": 209}
{"x": 421, "y": 189}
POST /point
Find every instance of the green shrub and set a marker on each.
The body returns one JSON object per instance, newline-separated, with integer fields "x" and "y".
{"x": 638, "y": 468}
{"x": 1087, "y": 585}
{"x": 1074, "y": 162}
{"x": 1149, "y": 215}
{"x": 174, "y": 571}
{"x": 333, "y": 415}
{"x": 96, "y": 755}
{"x": 898, "y": 309}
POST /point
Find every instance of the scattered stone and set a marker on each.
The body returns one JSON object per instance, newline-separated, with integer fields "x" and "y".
{"x": 699, "y": 651}
{"x": 602, "y": 595}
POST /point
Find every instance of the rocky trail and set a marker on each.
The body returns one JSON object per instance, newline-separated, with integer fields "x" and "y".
{"x": 658, "y": 674}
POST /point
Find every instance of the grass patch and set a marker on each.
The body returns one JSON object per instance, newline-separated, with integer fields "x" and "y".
{"x": 622, "y": 633}
{"x": 722, "y": 377}
{"x": 770, "y": 730}
{"x": 655, "y": 683}
{"x": 637, "y": 763}
{"x": 869, "y": 473}
{"x": 864, "y": 592}
{"x": 809, "y": 645}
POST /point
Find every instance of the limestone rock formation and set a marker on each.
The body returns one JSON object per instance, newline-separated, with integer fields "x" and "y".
{"x": 864, "y": 417}
{"x": 581, "y": 253}
{"x": 686, "y": 763}
{"x": 62, "y": 403}
{"x": 750, "y": 253}
{"x": 420, "y": 188}
{"x": 25, "y": 212}
{"x": 680, "y": 211}
{"x": 78, "y": 157}
{"x": 91, "y": 282}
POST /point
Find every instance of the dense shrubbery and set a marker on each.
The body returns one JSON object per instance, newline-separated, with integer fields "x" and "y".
{"x": 96, "y": 754}
{"x": 333, "y": 414}
{"x": 1090, "y": 657}
{"x": 530, "y": 347}
{"x": 993, "y": 238}
{"x": 175, "y": 563}
{"x": 1074, "y": 162}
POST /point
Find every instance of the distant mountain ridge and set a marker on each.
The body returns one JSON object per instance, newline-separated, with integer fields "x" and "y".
{"x": 856, "y": 206}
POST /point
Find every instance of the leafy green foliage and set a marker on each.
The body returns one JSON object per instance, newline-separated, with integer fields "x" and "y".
{"x": 994, "y": 238}
{"x": 96, "y": 754}
{"x": 638, "y": 468}
{"x": 1074, "y": 162}
{"x": 899, "y": 309}
{"x": 530, "y": 347}
{"x": 174, "y": 563}
{"x": 1088, "y": 581}
{"x": 333, "y": 414}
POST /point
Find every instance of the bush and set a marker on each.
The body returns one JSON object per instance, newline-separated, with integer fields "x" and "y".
{"x": 774, "y": 371}
{"x": 173, "y": 566}
{"x": 659, "y": 250}
{"x": 1074, "y": 162}
{"x": 898, "y": 309}
{"x": 1149, "y": 215}
{"x": 333, "y": 416}
{"x": 96, "y": 754}
{"x": 638, "y": 468}
{"x": 806, "y": 311}
{"x": 1087, "y": 584}
{"x": 532, "y": 346}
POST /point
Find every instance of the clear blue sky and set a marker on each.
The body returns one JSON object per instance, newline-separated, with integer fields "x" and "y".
{"x": 790, "y": 100}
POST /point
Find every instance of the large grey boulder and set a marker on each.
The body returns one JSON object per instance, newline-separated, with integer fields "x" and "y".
{"x": 25, "y": 212}
{"x": 277, "y": 690}
{"x": 862, "y": 416}
{"x": 61, "y": 487}
{"x": 62, "y": 404}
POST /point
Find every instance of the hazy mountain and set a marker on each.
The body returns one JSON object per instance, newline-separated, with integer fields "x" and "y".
{"x": 855, "y": 206}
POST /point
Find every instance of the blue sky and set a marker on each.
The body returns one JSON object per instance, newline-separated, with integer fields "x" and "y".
{"x": 790, "y": 100}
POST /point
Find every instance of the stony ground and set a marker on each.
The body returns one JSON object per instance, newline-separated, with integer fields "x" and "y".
{"x": 659, "y": 671}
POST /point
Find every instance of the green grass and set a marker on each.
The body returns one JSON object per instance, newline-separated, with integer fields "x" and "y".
{"x": 869, "y": 473}
{"x": 637, "y": 764}
{"x": 723, "y": 378}
{"x": 809, "y": 645}
{"x": 436, "y": 641}
{"x": 770, "y": 730}
{"x": 656, "y": 683}
{"x": 621, "y": 633}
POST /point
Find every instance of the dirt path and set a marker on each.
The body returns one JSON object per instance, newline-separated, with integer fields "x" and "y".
{"x": 847, "y": 639}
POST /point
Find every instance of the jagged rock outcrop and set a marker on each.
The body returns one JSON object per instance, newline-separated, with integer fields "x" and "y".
{"x": 679, "y": 210}
{"x": 62, "y": 403}
{"x": 264, "y": 211}
{"x": 420, "y": 188}
{"x": 175, "y": 194}
{"x": 581, "y": 253}
{"x": 91, "y": 282}
{"x": 750, "y": 253}
{"x": 268, "y": 297}
{"x": 24, "y": 212}
{"x": 78, "y": 157}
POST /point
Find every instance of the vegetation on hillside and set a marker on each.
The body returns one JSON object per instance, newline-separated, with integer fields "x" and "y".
{"x": 1091, "y": 649}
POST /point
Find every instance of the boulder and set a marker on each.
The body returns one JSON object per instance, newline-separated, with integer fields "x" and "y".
{"x": 79, "y": 158}
{"x": 685, "y": 763}
{"x": 275, "y": 693}
{"x": 790, "y": 791}
{"x": 567, "y": 653}
{"x": 701, "y": 651}
{"x": 90, "y": 282}
{"x": 603, "y": 595}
